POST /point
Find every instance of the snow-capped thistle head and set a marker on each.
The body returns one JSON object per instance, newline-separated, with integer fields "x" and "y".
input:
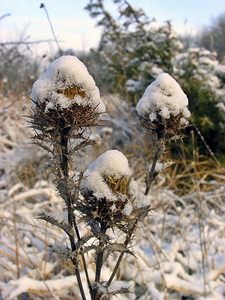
{"x": 109, "y": 191}
{"x": 65, "y": 96}
{"x": 66, "y": 82}
{"x": 164, "y": 105}
{"x": 103, "y": 175}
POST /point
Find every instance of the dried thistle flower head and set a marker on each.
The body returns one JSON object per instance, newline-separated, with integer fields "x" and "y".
{"x": 118, "y": 184}
{"x": 66, "y": 98}
{"x": 107, "y": 175}
{"x": 164, "y": 105}
{"x": 110, "y": 193}
{"x": 66, "y": 82}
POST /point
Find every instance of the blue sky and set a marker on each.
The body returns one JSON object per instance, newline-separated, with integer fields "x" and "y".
{"x": 77, "y": 30}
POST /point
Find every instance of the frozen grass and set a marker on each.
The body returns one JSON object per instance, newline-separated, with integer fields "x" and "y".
{"x": 180, "y": 250}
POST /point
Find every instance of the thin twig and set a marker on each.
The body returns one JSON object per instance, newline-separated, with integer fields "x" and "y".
{"x": 202, "y": 244}
{"x": 4, "y": 16}
{"x": 26, "y": 42}
{"x": 127, "y": 241}
{"x": 99, "y": 262}
{"x": 51, "y": 26}
{"x": 16, "y": 240}
{"x": 201, "y": 231}
{"x": 205, "y": 144}
{"x": 158, "y": 151}
{"x": 83, "y": 258}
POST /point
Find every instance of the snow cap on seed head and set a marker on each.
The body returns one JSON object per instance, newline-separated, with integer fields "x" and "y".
{"x": 163, "y": 98}
{"x": 66, "y": 82}
{"x": 110, "y": 163}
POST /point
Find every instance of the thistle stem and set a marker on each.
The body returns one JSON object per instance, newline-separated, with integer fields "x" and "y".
{"x": 64, "y": 163}
{"x": 99, "y": 263}
{"x": 127, "y": 241}
{"x": 158, "y": 150}
{"x": 83, "y": 258}
{"x": 150, "y": 174}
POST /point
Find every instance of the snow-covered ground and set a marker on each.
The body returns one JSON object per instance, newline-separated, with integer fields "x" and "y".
{"x": 179, "y": 250}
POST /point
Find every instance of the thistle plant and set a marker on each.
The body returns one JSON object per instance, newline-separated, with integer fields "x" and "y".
{"x": 66, "y": 104}
{"x": 112, "y": 203}
{"x": 105, "y": 199}
{"x": 163, "y": 112}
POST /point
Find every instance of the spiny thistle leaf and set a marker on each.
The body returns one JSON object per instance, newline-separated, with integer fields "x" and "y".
{"x": 116, "y": 247}
{"x": 60, "y": 224}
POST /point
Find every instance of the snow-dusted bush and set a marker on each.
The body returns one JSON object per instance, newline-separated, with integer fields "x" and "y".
{"x": 134, "y": 50}
{"x": 18, "y": 68}
{"x": 202, "y": 78}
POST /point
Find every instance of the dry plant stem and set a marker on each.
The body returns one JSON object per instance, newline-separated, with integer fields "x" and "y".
{"x": 126, "y": 243}
{"x": 99, "y": 262}
{"x": 202, "y": 239}
{"x": 16, "y": 244}
{"x": 200, "y": 224}
{"x": 203, "y": 245}
{"x": 51, "y": 26}
{"x": 64, "y": 164}
{"x": 158, "y": 150}
{"x": 150, "y": 175}
{"x": 206, "y": 145}
{"x": 16, "y": 240}
{"x": 83, "y": 258}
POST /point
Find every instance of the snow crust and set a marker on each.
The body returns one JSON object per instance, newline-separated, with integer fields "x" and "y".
{"x": 163, "y": 97}
{"x": 63, "y": 73}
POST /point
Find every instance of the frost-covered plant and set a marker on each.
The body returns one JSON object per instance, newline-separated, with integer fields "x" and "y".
{"x": 202, "y": 78}
{"x": 66, "y": 103}
{"x": 105, "y": 199}
{"x": 112, "y": 204}
{"x": 133, "y": 48}
{"x": 163, "y": 112}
